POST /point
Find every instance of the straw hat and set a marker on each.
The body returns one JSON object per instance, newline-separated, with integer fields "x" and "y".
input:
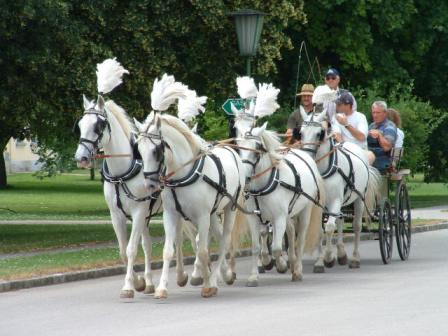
{"x": 307, "y": 90}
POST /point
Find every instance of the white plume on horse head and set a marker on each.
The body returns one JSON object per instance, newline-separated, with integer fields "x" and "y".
{"x": 246, "y": 87}
{"x": 109, "y": 75}
{"x": 324, "y": 94}
{"x": 165, "y": 92}
{"x": 190, "y": 106}
{"x": 266, "y": 100}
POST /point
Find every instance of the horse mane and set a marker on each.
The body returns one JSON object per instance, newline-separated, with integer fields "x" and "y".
{"x": 271, "y": 142}
{"x": 126, "y": 123}
{"x": 194, "y": 140}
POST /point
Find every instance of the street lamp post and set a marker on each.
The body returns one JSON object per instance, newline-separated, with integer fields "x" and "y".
{"x": 249, "y": 24}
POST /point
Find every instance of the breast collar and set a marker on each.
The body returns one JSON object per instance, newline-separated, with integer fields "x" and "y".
{"x": 134, "y": 169}
{"x": 333, "y": 164}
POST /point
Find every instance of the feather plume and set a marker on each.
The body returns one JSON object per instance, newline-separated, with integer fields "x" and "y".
{"x": 190, "y": 106}
{"x": 266, "y": 100}
{"x": 246, "y": 87}
{"x": 165, "y": 92}
{"x": 324, "y": 94}
{"x": 109, "y": 74}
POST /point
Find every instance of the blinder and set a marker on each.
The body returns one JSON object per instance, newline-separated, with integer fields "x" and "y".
{"x": 296, "y": 135}
{"x": 322, "y": 135}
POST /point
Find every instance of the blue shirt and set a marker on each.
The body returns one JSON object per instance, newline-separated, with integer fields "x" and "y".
{"x": 389, "y": 131}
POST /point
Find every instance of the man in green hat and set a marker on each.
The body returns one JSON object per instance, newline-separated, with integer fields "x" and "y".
{"x": 295, "y": 118}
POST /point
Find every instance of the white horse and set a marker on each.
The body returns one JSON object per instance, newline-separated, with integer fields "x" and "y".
{"x": 197, "y": 185}
{"x": 106, "y": 125}
{"x": 285, "y": 189}
{"x": 348, "y": 179}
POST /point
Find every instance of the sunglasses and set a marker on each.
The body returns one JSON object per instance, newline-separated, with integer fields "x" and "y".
{"x": 330, "y": 77}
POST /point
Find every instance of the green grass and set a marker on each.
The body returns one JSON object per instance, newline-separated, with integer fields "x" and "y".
{"x": 426, "y": 194}
{"x": 27, "y": 238}
{"x": 59, "y": 197}
{"x": 44, "y": 264}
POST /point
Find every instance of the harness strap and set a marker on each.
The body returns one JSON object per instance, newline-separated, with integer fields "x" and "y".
{"x": 119, "y": 204}
{"x": 178, "y": 206}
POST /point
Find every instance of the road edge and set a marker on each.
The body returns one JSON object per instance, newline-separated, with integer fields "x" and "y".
{"x": 6, "y": 286}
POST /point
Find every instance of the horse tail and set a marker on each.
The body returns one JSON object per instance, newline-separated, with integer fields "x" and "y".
{"x": 240, "y": 230}
{"x": 190, "y": 231}
{"x": 372, "y": 192}
{"x": 314, "y": 231}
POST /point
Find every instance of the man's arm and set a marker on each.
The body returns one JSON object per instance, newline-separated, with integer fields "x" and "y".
{"x": 357, "y": 134}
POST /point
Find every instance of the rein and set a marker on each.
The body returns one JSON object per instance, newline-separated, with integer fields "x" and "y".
{"x": 104, "y": 156}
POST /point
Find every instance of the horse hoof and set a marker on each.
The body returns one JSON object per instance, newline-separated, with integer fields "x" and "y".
{"x": 252, "y": 283}
{"x": 196, "y": 281}
{"x": 296, "y": 277}
{"x": 209, "y": 292}
{"x": 269, "y": 266}
{"x": 261, "y": 269}
{"x": 139, "y": 284}
{"x": 354, "y": 264}
{"x": 231, "y": 281}
{"x": 183, "y": 282}
{"x": 330, "y": 264}
{"x": 342, "y": 260}
{"x": 318, "y": 269}
{"x": 281, "y": 268}
{"x": 127, "y": 294}
{"x": 161, "y": 294}
{"x": 149, "y": 289}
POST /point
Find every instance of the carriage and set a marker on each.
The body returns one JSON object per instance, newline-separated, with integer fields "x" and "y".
{"x": 392, "y": 212}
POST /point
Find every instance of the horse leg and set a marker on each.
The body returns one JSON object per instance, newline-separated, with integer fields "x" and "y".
{"x": 357, "y": 226}
{"x": 138, "y": 223}
{"x": 254, "y": 226}
{"x": 170, "y": 222}
{"x": 147, "y": 249}
{"x": 182, "y": 276}
{"x": 291, "y": 236}
{"x": 203, "y": 255}
{"x": 330, "y": 226}
{"x": 302, "y": 228}
{"x": 119, "y": 225}
{"x": 319, "y": 264}
{"x": 224, "y": 246}
{"x": 196, "y": 276}
{"x": 342, "y": 255}
{"x": 266, "y": 259}
{"x": 277, "y": 243}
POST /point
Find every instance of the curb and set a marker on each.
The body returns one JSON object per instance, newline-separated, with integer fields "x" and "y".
{"x": 54, "y": 279}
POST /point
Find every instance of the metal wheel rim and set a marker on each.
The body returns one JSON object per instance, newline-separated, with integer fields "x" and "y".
{"x": 386, "y": 233}
{"x": 403, "y": 219}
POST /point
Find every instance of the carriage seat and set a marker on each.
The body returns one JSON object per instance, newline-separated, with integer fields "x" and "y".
{"x": 394, "y": 172}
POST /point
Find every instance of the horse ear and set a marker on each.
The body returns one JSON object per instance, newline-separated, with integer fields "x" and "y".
{"x": 100, "y": 103}
{"x": 86, "y": 102}
{"x": 259, "y": 130}
{"x": 195, "y": 129}
{"x": 139, "y": 125}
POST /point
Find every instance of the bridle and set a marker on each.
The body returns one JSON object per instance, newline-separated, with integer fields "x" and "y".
{"x": 316, "y": 143}
{"x": 159, "y": 154}
{"x": 100, "y": 124}
{"x": 259, "y": 150}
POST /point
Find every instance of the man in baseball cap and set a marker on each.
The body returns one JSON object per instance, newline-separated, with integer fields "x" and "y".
{"x": 295, "y": 118}
{"x": 349, "y": 125}
{"x": 332, "y": 79}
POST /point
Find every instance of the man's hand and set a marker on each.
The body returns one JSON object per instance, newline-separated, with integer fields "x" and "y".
{"x": 342, "y": 119}
{"x": 288, "y": 133}
{"x": 337, "y": 137}
{"x": 374, "y": 133}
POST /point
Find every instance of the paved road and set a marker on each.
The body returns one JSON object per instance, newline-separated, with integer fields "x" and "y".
{"x": 436, "y": 212}
{"x": 403, "y": 298}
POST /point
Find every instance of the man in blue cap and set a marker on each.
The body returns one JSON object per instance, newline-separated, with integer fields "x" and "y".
{"x": 332, "y": 79}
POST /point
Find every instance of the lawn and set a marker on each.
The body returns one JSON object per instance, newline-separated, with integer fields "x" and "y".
{"x": 30, "y": 238}
{"x": 426, "y": 194}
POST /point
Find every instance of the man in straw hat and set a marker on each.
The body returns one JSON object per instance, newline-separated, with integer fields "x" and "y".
{"x": 295, "y": 118}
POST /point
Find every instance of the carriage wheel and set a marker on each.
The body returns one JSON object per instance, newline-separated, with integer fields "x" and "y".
{"x": 403, "y": 220}
{"x": 386, "y": 231}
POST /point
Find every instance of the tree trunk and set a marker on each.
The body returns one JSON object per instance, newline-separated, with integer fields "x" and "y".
{"x": 3, "y": 179}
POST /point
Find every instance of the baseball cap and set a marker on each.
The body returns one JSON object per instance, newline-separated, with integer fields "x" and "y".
{"x": 345, "y": 98}
{"x": 332, "y": 72}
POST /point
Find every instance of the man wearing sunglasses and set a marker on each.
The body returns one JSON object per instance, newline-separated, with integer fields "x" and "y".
{"x": 332, "y": 79}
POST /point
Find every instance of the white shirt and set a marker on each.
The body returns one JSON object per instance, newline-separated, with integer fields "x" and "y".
{"x": 400, "y": 138}
{"x": 356, "y": 120}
